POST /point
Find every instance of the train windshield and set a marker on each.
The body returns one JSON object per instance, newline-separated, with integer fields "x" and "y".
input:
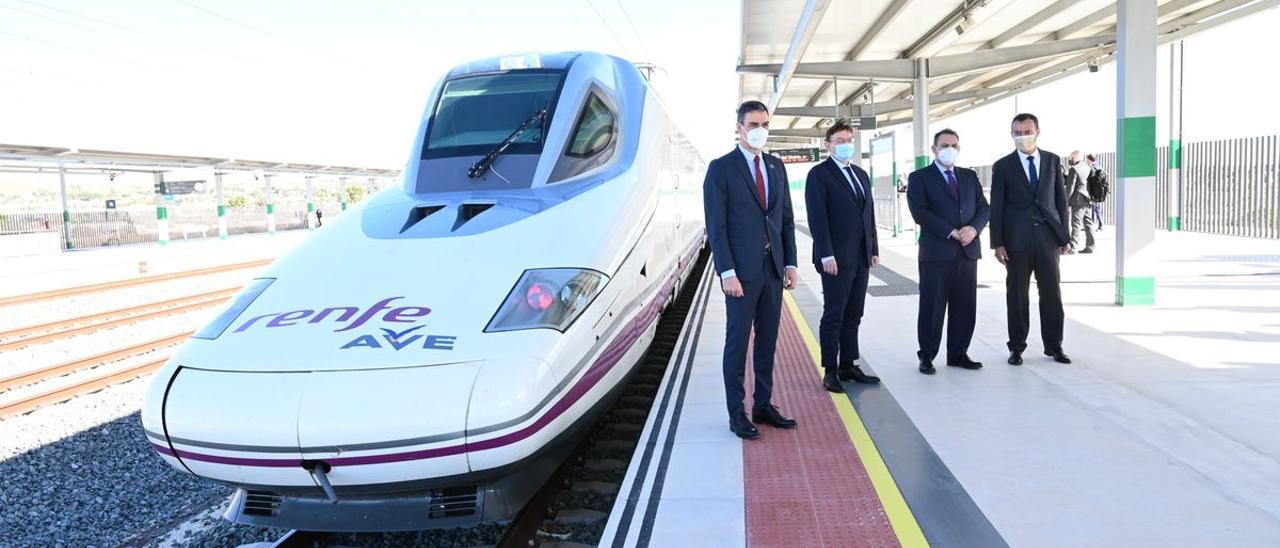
{"x": 475, "y": 113}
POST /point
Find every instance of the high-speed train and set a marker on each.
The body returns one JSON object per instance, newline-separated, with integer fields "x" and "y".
{"x": 427, "y": 358}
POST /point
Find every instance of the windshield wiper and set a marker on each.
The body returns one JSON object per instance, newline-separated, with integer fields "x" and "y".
{"x": 479, "y": 168}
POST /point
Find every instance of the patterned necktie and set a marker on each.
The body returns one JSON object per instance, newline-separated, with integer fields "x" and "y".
{"x": 952, "y": 185}
{"x": 857, "y": 188}
{"x": 1034, "y": 178}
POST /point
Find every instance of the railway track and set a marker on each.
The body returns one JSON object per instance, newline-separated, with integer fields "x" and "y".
{"x": 92, "y": 383}
{"x": 61, "y": 329}
{"x": 141, "y": 280}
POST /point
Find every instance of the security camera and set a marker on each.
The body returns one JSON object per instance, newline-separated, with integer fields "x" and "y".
{"x": 1093, "y": 64}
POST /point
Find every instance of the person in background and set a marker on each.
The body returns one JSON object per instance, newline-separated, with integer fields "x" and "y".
{"x": 1076, "y": 174}
{"x": 1099, "y": 188}
{"x": 842, "y": 220}
{"x": 947, "y": 202}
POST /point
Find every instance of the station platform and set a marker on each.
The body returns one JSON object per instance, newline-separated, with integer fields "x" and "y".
{"x": 1161, "y": 433}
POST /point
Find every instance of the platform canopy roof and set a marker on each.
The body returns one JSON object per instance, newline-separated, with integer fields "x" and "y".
{"x": 801, "y": 56}
{"x": 38, "y": 158}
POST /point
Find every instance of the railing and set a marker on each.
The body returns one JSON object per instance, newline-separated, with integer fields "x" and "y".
{"x": 1229, "y": 187}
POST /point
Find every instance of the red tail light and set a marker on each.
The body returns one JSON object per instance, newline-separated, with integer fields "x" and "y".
{"x": 539, "y": 296}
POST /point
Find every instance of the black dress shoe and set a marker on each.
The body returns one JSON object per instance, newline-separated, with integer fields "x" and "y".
{"x": 770, "y": 415}
{"x": 855, "y": 374}
{"x": 926, "y": 367}
{"x": 1087, "y": 250}
{"x": 963, "y": 361}
{"x": 1058, "y": 356}
{"x": 1015, "y": 358}
{"x": 742, "y": 427}
{"x": 831, "y": 381}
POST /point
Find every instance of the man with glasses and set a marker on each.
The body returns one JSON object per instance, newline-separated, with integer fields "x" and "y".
{"x": 1028, "y": 233}
{"x": 842, "y": 221}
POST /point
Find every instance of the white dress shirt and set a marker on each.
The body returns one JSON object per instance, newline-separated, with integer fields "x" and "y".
{"x": 764, "y": 173}
{"x": 1022, "y": 155}
{"x": 857, "y": 189}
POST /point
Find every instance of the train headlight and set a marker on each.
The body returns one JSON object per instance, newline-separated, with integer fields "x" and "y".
{"x": 239, "y": 303}
{"x": 549, "y": 298}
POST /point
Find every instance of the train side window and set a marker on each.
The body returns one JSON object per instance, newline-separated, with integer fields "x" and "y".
{"x": 595, "y": 129}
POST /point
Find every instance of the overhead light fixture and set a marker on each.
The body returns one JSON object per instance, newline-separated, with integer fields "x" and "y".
{"x": 966, "y": 23}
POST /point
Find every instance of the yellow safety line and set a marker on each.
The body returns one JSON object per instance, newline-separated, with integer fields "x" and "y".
{"x": 895, "y": 506}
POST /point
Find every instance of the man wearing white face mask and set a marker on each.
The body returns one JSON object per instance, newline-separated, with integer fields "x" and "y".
{"x": 751, "y": 230}
{"x": 1029, "y": 234}
{"x": 947, "y": 202}
{"x": 842, "y": 221}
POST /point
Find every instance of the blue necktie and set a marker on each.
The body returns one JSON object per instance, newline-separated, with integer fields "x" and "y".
{"x": 857, "y": 187}
{"x": 1035, "y": 187}
{"x": 1035, "y": 174}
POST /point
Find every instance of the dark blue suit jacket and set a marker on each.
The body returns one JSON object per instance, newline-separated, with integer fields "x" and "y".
{"x": 938, "y": 213}
{"x": 1013, "y": 204}
{"x": 838, "y": 230}
{"x": 736, "y": 222}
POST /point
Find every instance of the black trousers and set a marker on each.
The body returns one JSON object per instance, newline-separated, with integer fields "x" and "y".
{"x": 950, "y": 289}
{"x": 844, "y": 298}
{"x": 759, "y": 308}
{"x": 1040, "y": 258}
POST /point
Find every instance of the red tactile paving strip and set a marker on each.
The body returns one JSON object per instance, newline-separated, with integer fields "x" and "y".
{"x": 806, "y": 486}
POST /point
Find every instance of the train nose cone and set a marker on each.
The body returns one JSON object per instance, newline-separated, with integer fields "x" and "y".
{"x": 368, "y": 426}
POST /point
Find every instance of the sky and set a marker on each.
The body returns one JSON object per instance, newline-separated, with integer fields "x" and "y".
{"x": 344, "y": 82}
{"x": 339, "y": 82}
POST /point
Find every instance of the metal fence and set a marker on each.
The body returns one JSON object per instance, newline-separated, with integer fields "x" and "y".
{"x": 1229, "y": 187}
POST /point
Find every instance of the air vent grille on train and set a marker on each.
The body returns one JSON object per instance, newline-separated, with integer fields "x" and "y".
{"x": 466, "y": 212}
{"x": 419, "y": 213}
{"x": 454, "y": 502}
{"x": 262, "y": 503}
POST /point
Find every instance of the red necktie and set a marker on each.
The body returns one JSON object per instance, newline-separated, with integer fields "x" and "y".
{"x": 760, "y": 191}
{"x": 760, "y": 184}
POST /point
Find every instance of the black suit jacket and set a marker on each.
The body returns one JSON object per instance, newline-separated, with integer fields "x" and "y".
{"x": 938, "y": 213}
{"x": 736, "y": 222}
{"x": 839, "y": 229}
{"x": 1012, "y": 202}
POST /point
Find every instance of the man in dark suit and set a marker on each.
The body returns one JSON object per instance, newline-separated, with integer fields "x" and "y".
{"x": 751, "y": 229}
{"x": 947, "y": 202}
{"x": 842, "y": 221}
{"x": 1029, "y": 235}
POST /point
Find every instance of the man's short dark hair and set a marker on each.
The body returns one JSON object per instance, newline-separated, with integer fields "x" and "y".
{"x": 750, "y": 106}
{"x": 1022, "y": 117}
{"x": 1090, "y": 157}
{"x": 947, "y": 131}
{"x": 837, "y": 128}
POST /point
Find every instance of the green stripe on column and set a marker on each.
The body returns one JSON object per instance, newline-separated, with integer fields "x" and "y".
{"x": 1175, "y": 154}
{"x": 344, "y": 206}
{"x": 1137, "y": 137}
{"x": 921, "y": 161}
{"x": 310, "y": 207}
{"x": 161, "y": 213}
{"x": 222, "y": 211}
{"x": 271, "y": 208}
{"x": 1135, "y": 291}
{"x": 1175, "y": 224}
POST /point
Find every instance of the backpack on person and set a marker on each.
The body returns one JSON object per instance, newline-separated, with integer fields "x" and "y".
{"x": 1098, "y": 186}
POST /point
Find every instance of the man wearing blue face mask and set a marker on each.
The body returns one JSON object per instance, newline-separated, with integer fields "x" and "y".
{"x": 947, "y": 202}
{"x": 843, "y": 223}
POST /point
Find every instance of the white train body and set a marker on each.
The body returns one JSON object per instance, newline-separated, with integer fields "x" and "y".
{"x": 430, "y": 353}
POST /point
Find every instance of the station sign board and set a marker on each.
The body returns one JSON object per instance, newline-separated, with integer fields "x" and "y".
{"x": 798, "y": 155}
{"x": 179, "y": 187}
